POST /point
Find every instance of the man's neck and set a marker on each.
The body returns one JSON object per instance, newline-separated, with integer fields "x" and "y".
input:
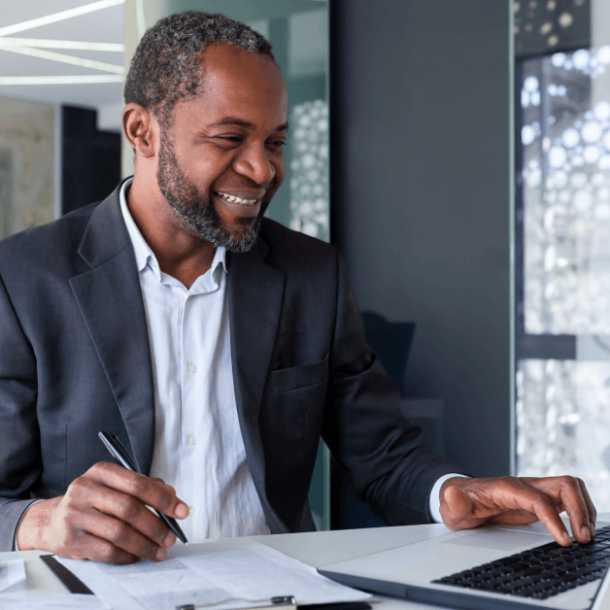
{"x": 183, "y": 256}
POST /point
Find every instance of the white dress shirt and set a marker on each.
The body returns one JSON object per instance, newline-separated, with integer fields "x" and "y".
{"x": 198, "y": 448}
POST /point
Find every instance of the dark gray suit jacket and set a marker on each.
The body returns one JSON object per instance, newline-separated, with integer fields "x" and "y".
{"x": 75, "y": 359}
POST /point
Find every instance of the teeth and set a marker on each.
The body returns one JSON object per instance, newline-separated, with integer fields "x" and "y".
{"x": 236, "y": 199}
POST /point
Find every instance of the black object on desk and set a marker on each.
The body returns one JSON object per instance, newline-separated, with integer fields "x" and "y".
{"x": 118, "y": 452}
{"x": 72, "y": 583}
{"x": 289, "y": 603}
{"x": 285, "y": 603}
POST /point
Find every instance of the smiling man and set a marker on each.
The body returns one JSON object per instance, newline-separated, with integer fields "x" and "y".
{"x": 218, "y": 345}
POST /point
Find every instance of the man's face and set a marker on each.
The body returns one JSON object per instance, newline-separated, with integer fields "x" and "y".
{"x": 221, "y": 159}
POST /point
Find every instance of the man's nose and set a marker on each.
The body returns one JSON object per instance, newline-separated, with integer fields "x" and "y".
{"x": 255, "y": 163}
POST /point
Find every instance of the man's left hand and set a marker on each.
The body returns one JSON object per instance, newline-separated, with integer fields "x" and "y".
{"x": 468, "y": 503}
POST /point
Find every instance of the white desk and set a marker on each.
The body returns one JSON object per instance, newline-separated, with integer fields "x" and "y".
{"x": 315, "y": 548}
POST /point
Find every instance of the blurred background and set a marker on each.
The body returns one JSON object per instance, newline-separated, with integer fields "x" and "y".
{"x": 458, "y": 153}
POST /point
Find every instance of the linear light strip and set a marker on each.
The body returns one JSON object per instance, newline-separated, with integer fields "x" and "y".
{"x": 66, "y": 59}
{"x": 61, "y": 16}
{"x": 62, "y": 44}
{"x": 140, "y": 18}
{"x": 59, "y": 80}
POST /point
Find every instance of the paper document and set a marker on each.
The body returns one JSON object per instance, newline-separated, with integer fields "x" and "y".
{"x": 11, "y": 572}
{"x": 234, "y": 573}
{"x": 57, "y": 602}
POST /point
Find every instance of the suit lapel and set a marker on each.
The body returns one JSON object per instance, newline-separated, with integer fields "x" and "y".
{"x": 110, "y": 300}
{"x": 256, "y": 292}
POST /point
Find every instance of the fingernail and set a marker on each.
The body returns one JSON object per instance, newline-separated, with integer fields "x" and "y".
{"x": 182, "y": 510}
{"x": 586, "y": 533}
{"x": 161, "y": 553}
{"x": 170, "y": 539}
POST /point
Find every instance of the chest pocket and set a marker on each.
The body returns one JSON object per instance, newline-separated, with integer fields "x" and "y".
{"x": 285, "y": 380}
{"x": 295, "y": 399}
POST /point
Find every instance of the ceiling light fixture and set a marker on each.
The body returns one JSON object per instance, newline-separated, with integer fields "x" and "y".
{"x": 61, "y": 16}
{"x": 66, "y": 59}
{"x": 59, "y": 80}
{"x": 62, "y": 44}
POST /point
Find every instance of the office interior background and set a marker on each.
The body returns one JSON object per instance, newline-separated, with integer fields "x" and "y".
{"x": 457, "y": 152}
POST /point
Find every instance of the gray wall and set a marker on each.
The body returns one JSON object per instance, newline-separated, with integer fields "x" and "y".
{"x": 421, "y": 206}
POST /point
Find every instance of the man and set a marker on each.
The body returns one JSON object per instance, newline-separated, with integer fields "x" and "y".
{"x": 216, "y": 344}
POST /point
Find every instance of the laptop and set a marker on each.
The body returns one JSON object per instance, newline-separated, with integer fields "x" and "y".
{"x": 491, "y": 568}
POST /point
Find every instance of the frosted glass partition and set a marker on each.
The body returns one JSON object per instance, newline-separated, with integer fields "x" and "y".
{"x": 563, "y": 246}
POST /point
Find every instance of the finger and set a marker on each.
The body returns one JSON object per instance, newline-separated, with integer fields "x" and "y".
{"x": 574, "y": 504}
{"x": 590, "y": 506}
{"x": 129, "y": 510}
{"x": 96, "y": 549}
{"x": 542, "y": 505}
{"x": 150, "y": 492}
{"x": 120, "y": 535}
{"x": 457, "y": 509}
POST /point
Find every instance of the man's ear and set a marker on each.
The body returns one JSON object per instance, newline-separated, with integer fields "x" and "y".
{"x": 139, "y": 128}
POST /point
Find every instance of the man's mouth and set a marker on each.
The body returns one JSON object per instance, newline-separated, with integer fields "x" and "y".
{"x": 236, "y": 199}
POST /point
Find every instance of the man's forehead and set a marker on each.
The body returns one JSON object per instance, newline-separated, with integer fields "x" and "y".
{"x": 228, "y": 60}
{"x": 238, "y": 84}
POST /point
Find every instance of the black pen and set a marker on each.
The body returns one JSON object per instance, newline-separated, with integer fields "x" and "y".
{"x": 114, "y": 445}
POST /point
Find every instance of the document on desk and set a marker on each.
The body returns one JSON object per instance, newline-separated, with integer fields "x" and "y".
{"x": 11, "y": 572}
{"x": 56, "y": 602}
{"x": 228, "y": 574}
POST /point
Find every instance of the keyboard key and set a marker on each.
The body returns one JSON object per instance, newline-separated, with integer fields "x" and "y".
{"x": 529, "y": 571}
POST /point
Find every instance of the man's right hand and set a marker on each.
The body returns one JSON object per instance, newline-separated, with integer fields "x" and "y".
{"x": 104, "y": 517}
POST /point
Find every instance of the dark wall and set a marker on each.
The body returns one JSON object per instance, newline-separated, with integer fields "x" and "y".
{"x": 91, "y": 159}
{"x": 421, "y": 171}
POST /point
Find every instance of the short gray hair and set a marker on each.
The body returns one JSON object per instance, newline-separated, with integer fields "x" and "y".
{"x": 166, "y": 67}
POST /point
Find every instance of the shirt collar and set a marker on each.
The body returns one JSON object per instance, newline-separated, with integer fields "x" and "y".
{"x": 144, "y": 255}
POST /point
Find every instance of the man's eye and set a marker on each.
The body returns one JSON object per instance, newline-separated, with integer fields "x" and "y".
{"x": 230, "y": 138}
{"x": 279, "y": 143}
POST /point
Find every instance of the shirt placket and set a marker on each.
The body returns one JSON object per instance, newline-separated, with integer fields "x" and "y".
{"x": 191, "y": 437}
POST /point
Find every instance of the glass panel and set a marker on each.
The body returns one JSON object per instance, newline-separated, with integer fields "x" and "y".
{"x": 309, "y": 194}
{"x": 563, "y": 242}
{"x": 563, "y": 418}
{"x": 565, "y": 138}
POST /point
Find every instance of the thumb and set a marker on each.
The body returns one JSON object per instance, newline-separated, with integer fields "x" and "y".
{"x": 457, "y": 504}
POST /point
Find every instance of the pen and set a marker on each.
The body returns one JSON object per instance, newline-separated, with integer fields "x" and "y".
{"x": 116, "y": 449}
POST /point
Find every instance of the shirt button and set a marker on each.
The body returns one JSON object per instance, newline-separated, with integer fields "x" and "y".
{"x": 191, "y": 440}
{"x": 189, "y": 299}
{"x": 191, "y": 510}
{"x": 190, "y": 367}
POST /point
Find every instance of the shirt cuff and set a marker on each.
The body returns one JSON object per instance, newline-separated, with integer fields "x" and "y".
{"x": 435, "y": 502}
{"x": 15, "y": 545}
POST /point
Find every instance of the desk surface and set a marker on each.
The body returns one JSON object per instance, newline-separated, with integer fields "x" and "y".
{"x": 314, "y": 548}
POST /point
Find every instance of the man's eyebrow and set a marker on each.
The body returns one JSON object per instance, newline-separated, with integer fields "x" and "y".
{"x": 231, "y": 120}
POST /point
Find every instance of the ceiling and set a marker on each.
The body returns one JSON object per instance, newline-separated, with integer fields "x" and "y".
{"x": 37, "y": 61}
{"x": 102, "y": 25}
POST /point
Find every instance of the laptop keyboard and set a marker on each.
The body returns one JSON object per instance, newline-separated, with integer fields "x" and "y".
{"x": 540, "y": 572}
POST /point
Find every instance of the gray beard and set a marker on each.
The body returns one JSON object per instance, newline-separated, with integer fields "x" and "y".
{"x": 197, "y": 213}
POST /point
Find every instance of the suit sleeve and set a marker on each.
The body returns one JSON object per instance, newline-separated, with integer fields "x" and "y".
{"x": 20, "y": 463}
{"x": 382, "y": 452}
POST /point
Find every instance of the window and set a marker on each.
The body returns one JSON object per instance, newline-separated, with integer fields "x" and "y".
{"x": 562, "y": 245}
